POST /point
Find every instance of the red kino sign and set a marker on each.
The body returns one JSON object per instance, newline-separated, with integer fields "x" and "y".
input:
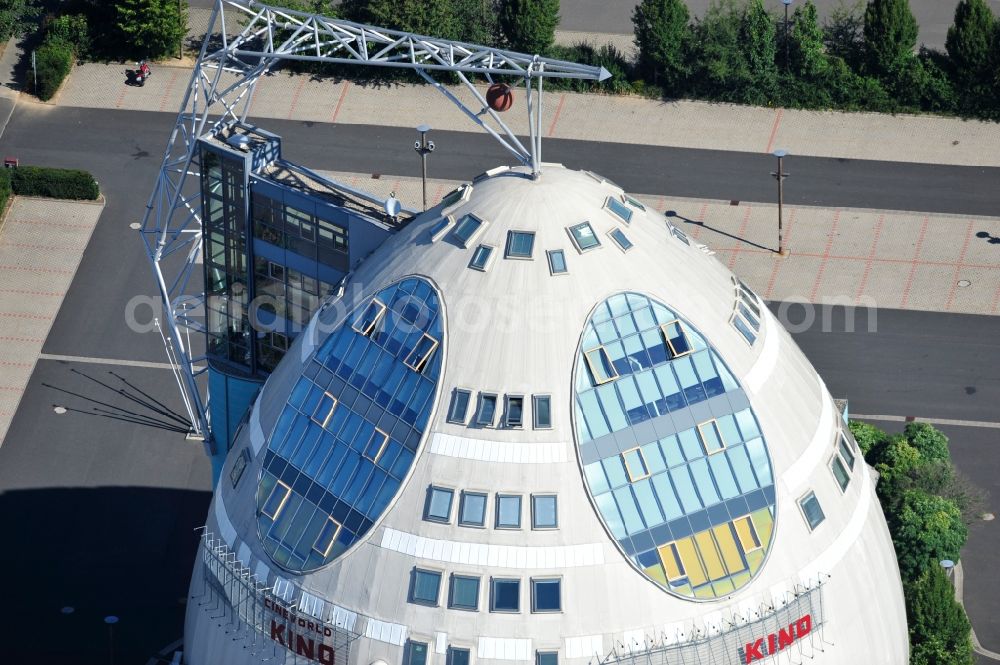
{"x": 775, "y": 642}
{"x": 302, "y": 636}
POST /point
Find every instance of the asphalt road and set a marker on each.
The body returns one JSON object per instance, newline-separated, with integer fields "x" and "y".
{"x": 117, "y": 495}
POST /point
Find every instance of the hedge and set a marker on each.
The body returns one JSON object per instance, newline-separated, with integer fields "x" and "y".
{"x": 53, "y": 60}
{"x": 5, "y": 190}
{"x": 53, "y": 183}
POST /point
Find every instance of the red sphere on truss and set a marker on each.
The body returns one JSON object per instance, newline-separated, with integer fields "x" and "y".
{"x": 500, "y": 97}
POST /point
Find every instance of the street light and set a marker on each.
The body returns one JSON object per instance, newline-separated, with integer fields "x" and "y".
{"x": 786, "y": 3}
{"x": 780, "y": 176}
{"x": 423, "y": 147}
{"x": 111, "y": 620}
{"x": 949, "y": 567}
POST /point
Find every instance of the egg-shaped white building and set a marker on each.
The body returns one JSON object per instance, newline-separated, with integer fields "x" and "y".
{"x": 540, "y": 424}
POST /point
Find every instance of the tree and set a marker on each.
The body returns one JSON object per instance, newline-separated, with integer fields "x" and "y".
{"x": 868, "y": 436}
{"x": 890, "y": 36}
{"x": 150, "y": 28}
{"x": 969, "y": 41}
{"x": 758, "y": 46}
{"x": 434, "y": 18}
{"x": 926, "y": 529}
{"x": 477, "y": 21}
{"x": 939, "y": 628}
{"x": 662, "y": 36}
{"x": 930, "y": 441}
{"x": 807, "y": 58}
{"x": 895, "y": 460}
{"x": 529, "y": 25}
{"x": 720, "y": 70}
{"x": 17, "y": 17}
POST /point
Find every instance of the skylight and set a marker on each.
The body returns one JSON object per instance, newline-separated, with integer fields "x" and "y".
{"x": 557, "y": 262}
{"x": 621, "y": 239}
{"x": 481, "y": 258}
{"x": 584, "y": 237}
{"x": 619, "y": 209}
{"x": 467, "y": 229}
{"x": 520, "y": 244}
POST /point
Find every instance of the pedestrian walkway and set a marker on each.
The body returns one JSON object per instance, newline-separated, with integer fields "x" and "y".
{"x": 842, "y": 256}
{"x": 41, "y": 244}
{"x": 593, "y": 117}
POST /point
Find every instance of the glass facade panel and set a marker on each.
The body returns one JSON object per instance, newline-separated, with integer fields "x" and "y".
{"x": 347, "y": 437}
{"x": 683, "y": 494}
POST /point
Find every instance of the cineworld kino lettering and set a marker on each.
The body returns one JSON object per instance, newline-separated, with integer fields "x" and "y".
{"x": 279, "y": 621}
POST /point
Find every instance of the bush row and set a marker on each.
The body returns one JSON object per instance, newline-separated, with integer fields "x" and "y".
{"x": 5, "y": 190}
{"x": 49, "y": 182}
{"x": 928, "y": 506}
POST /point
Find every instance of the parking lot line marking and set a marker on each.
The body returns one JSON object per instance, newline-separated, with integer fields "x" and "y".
{"x": 774, "y": 131}
{"x": 743, "y": 229}
{"x": 932, "y": 421}
{"x": 871, "y": 258}
{"x": 913, "y": 267}
{"x": 826, "y": 255}
{"x": 340, "y": 101}
{"x": 555, "y": 118}
{"x": 105, "y": 361}
{"x": 958, "y": 268}
{"x": 778, "y": 262}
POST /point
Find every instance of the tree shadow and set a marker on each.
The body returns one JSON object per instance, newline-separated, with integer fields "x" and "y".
{"x": 672, "y": 213}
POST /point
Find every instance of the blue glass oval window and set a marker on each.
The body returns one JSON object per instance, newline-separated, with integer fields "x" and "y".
{"x": 672, "y": 452}
{"x": 348, "y": 434}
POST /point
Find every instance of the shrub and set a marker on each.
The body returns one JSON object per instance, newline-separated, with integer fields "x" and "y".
{"x": 890, "y": 36}
{"x": 606, "y": 56}
{"x": 53, "y": 61}
{"x": 529, "y": 26}
{"x": 867, "y": 435}
{"x": 662, "y": 37}
{"x": 150, "y": 28}
{"x": 70, "y": 29}
{"x": 53, "y": 183}
{"x": 939, "y": 629}
{"x": 5, "y": 190}
{"x": 930, "y": 441}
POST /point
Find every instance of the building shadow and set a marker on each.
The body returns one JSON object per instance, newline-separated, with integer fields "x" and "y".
{"x": 74, "y": 556}
{"x": 673, "y": 214}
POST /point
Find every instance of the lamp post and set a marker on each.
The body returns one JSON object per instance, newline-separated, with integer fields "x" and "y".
{"x": 111, "y": 620}
{"x": 949, "y": 567}
{"x": 423, "y": 147}
{"x": 780, "y": 176}
{"x": 180, "y": 42}
{"x": 786, "y": 3}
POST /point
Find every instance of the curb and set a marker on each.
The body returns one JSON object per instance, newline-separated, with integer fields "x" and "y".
{"x": 977, "y": 646}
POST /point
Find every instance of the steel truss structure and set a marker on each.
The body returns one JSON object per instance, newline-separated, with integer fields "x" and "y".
{"x": 244, "y": 41}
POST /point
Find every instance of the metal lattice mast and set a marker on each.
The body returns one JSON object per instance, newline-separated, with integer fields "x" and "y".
{"x": 244, "y": 45}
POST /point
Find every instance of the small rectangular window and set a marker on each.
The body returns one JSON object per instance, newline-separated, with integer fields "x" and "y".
{"x": 438, "y": 504}
{"x": 421, "y": 353}
{"x": 748, "y": 316}
{"x": 440, "y": 228}
{"x": 634, "y": 203}
{"x": 327, "y": 537}
{"x": 711, "y": 437}
{"x": 459, "y": 409}
{"x": 544, "y": 511}
{"x": 239, "y": 466}
{"x": 464, "y": 593}
{"x": 635, "y": 464}
{"x": 747, "y": 534}
{"x": 619, "y": 209}
{"x": 676, "y": 339}
{"x": 514, "y": 413}
{"x": 505, "y": 595}
{"x": 426, "y": 585}
{"x": 840, "y": 473}
{"x": 472, "y": 511}
{"x": 324, "y": 410}
{"x": 460, "y": 193}
{"x": 811, "y": 510}
{"x": 467, "y": 229}
{"x": 369, "y": 318}
{"x": 845, "y": 451}
{"x": 481, "y": 258}
{"x": 621, "y": 239}
{"x": 601, "y": 368}
{"x": 680, "y": 235}
{"x": 457, "y": 656}
{"x": 416, "y": 653}
{"x": 541, "y": 411}
{"x": 376, "y": 445}
{"x": 520, "y": 244}
{"x": 584, "y": 237}
{"x": 487, "y": 412}
{"x": 744, "y": 329}
{"x": 546, "y": 658}
{"x": 508, "y": 511}
{"x": 546, "y": 595}
{"x": 276, "y": 500}
{"x": 557, "y": 262}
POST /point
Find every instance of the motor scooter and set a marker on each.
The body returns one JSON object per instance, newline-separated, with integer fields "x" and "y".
{"x": 138, "y": 75}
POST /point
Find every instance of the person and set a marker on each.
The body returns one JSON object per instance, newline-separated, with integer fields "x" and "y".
{"x": 144, "y": 69}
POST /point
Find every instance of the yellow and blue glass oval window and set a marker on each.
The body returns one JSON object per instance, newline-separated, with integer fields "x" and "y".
{"x": 672, "y": 452}
{"x": 347, "y": 437}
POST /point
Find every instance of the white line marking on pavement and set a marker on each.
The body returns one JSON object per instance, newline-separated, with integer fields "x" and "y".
{"x": 105, "y": 361}
{"x": 932, "y": 421}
